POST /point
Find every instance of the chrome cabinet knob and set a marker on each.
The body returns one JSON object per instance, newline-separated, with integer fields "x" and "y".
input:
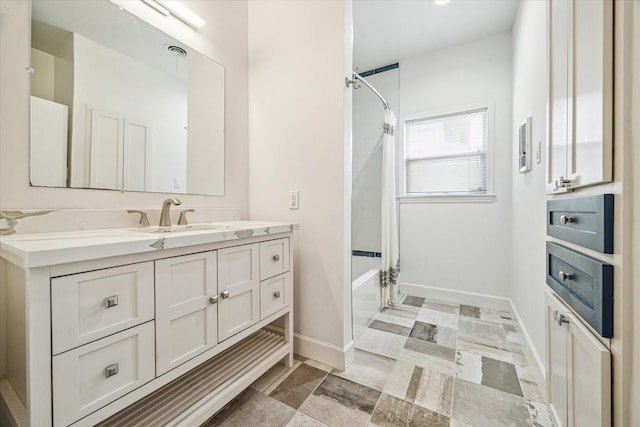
{"x": 565, "y": 276}
{"x": 111, "y": 370}
{"x": 566, "y": 219}
{"x": 276, "y": 257}
{"x": 559, "y": 318}
{"x": 213, "y": 299}
{"x": 276, "y": 294}
{"x": 225, "y": 295}
{"x": 111, "y": 301}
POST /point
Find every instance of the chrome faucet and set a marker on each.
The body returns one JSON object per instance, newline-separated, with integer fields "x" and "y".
{"x": 165, "y": 217}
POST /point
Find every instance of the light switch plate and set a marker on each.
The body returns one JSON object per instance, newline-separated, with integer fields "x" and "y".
{"x": 294, "y": 199}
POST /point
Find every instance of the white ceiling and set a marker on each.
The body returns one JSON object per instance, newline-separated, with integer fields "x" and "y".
{"x": 387, "y": 31}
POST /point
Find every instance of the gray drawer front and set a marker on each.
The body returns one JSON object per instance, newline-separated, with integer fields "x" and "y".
{"x": 585, "y": 221}
{"x": 584, "y": 283}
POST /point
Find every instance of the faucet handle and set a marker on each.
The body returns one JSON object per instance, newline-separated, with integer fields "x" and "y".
{"x": 183, "y": 216}
{"x": 144, "y": 220}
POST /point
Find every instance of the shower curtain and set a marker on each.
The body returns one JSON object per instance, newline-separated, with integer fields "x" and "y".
{"x": 390, "y": 246}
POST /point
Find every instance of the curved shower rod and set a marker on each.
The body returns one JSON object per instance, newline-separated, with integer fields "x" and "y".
{"x": 357, "y": 77}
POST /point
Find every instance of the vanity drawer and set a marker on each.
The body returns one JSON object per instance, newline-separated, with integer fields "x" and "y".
{"x": 274, "y": 258}
{"x": 89, "y": 306}
{"x": 89, "y": 377}
{"x": 584, "y": 283}
{"x": 275, "y": 294}
{"x": 585, "y": 221}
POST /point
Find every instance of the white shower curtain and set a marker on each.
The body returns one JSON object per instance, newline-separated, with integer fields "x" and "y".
{"x": 389, "y": 242}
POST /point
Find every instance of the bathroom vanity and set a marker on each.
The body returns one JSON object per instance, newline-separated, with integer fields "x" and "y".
{"x": 146, "y": 326}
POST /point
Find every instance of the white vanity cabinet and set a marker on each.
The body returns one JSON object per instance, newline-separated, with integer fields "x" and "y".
{"x": 580, "y": 84}
{"x": 578, "y": 370}
{"x": 92, "y": 340}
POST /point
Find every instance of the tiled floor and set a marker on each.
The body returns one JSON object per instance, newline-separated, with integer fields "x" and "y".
{"x": 423, "y": 363}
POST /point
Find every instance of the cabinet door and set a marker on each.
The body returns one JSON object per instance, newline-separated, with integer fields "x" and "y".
{"x": 589, "y": 378}
{"x": 557, "y": 339}
{"x": 186, "y": 308}
{"x": 578, "y": 370}
{"x": 580, "y": 107}
{"x": 238, "y": 278}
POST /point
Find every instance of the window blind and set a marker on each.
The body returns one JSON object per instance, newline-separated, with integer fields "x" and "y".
{"x": 447, "y": 153}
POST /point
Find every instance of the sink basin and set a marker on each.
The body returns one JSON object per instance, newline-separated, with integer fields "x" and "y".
{"x": 182, "y": 228}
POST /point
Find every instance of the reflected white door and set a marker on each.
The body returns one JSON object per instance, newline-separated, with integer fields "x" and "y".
{"x": 137, "y": 155}
{"x": 106, "y": 149}
{"x": 48, "y": 149}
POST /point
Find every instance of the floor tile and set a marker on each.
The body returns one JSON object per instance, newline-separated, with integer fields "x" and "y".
{"x": 396, "y": 320}
{"x": 393, "y": 412}
{"x": 299, "y": 385}
{"x": 390, "y": 327}
{"x": 491, "y": 315}
{"x": 432, "y": 349}
{"x": 469, "y": 311}
{"x": 340, "y": 402}
{"x": 485, "y": 333}
{"x": 500, "y": 375}
{"x": 380, "y": 342}
{"x": 446, "y": 366}
{"x": 482, "y": 406}
{"x": 400, "y": 380}
{"x": 368, "y": 369}
{"x": 531, "y": 391}
{"x": 440, "y": 318}
{"x": 539, "y": 414}
{"x": 273, "y": 377}
{"x": 508, "y": 328}
{"x": 302, "y": 420}
{"x": 493, "y": 351}
{"x": 435, "y": 391}
{"x": 252, "y": 408}
{"x": 469, "y": 366}
{"x": 434, "y": 333}
{"x": 413, "y": 301}
{"x": 441, "y": 306}
{"x": 404, "y": 314}
{"x": 318, "y": 365}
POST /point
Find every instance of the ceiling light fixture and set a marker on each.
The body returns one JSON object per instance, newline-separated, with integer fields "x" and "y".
{"x": 157, "y": 7}
{"x": 440, "y": 2}
{"x": 175, "y": 8}
{"x": 182, "y": 12}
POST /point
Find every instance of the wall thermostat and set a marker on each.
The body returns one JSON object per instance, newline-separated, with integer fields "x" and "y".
{"x": 524, "y": 144}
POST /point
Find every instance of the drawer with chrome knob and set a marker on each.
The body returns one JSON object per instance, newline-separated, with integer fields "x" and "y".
{"x": 274, "y": 258}
{"x": 275, "y": 294}
{"x": 584, "y": 283}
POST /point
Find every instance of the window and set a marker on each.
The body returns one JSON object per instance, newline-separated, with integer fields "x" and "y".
{"x": 447, "y": 153}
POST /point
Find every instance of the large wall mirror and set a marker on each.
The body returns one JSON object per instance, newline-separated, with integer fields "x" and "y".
{"x": 118, "y": 104}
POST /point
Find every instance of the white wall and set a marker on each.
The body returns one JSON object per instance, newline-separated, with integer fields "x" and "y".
{"x": 453, "y": 245}
{"x": 528, "y": 207}
{"x": 297, "y": 134}
{"x": 223, "y": 38}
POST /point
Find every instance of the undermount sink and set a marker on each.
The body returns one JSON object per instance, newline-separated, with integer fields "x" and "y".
{"x": 182, "y": 228}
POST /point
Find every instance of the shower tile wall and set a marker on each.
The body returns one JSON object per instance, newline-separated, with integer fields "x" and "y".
{"x": 368, "y": 115}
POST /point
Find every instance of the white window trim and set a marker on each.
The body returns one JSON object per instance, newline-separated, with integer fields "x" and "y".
{"x": 487, "y": 197}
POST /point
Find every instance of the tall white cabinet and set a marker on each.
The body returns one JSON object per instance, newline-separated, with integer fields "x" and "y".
{"x": 580, "y": 107}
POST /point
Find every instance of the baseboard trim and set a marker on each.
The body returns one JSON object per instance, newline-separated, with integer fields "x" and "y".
{"x": 541, "y": 376}
{"x": 324, "y": 352}
{"x": 459, "y": 297}
{"x": 484, "y": 300}
{"x": 12, "y": 407}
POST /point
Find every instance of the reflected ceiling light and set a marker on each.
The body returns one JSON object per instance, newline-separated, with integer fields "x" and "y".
{"x": 440, "y": 2}
{"x": 182, "y": 12}
{"x": 157, "y": 7}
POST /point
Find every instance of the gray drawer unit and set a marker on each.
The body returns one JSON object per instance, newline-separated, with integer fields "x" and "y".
{"x": 585, "y": 221}
{"x": 584, "y": 283}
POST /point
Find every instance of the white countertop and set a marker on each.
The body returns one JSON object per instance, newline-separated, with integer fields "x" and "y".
{"x": 39, "y": 250}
